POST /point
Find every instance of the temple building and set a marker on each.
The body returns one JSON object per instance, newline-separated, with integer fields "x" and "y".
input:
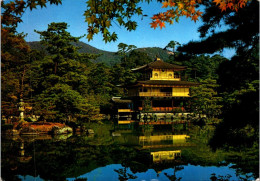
{"x": 159, "y": 94}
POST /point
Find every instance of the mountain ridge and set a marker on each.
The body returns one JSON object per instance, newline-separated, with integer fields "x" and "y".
{"x": 107, "y": 57}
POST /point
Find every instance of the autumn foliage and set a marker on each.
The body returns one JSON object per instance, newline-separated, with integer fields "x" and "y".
{"x": 178, "y": 8}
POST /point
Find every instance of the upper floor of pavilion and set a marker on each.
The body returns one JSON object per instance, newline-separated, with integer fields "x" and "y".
{"x": 160, "y": 70}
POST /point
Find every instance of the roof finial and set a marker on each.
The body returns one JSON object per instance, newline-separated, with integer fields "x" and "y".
{"x": 157, "y": 58}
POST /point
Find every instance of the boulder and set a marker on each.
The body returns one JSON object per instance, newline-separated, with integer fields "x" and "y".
{"x": 90, "y": 131}
{"x": 63, "y": 130}
{"x": 116, "y": 134}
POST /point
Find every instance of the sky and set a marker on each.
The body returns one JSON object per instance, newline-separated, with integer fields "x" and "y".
{"x": 72, "y": 11}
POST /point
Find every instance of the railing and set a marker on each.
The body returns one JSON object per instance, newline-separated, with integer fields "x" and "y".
{"x": 156, "y": 94}
{"x": 160, "y": 94}
{"x": 125, "y": 110}
{"x": 164, "y": 109}
{"x": 166, "y": 78}
{"x": 125, "y": 121}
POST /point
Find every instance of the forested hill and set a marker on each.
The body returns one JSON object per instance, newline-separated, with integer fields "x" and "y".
{"x": 109, "y": 58}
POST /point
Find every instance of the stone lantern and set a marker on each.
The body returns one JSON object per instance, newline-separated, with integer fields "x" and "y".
{"x": 21, "y": 110}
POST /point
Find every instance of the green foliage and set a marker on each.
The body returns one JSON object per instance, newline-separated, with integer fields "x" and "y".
{"x": 239, "y": 87}
{"x": 135, "y": 59}
{"x": 242, "y": 30}
{"x": 15, "y": 64}
{"x": 172, "y": 45}
{"x": 205, "y": 100}
{"x": 58, "y": 42}
{"x": 99, "y": 79}
{"x": 13, "y": 11}
{"x": 99, "y": 16}
{"x": 60, "y": 80}
{"x": 61, "y": 103}
{"x": 239, "y": 71}
{"x": 120, "y": 77}
{"x": 199, "y": 67}
{"x": 237, "y": 78}
{"x": 240, "y": 126}
{"x": 123, "y": 49}
{"x": 204, "y": 67}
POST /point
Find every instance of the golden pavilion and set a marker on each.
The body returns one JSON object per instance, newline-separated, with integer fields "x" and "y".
{"x": 159, "y": 94}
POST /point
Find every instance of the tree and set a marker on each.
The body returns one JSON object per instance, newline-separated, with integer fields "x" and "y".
{"x": 62, "y": 103}
{"x": 239, "y": 71}
{"x": 15, "y": 55}
{"x": 99, "y": 79}
{"x": 60, "y": 80}
{"x": 238, "y": 77}
{"x": 199, "y": 67}
{"x": 100, "y": 14}
{"x": 13, "y": 11}
{"x": 14, "y": 67}
{"x": 121, "y": 76}
{"x": 123, "y": 49}
{"x": 202, "y": 67}
{"x": 240, "y": 126}
{"x": 136, "y": 58}
{"x": 205, "y": 100}
{"x": 58, "y": 43}
{"x": 241, "y": 30}
{"x": 172, "y": 45}
{"x": 14, "y": 71}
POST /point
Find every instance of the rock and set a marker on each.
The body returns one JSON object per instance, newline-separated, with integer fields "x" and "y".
{"x": 60, "y": 137}
{"x": 90, "y": 131}
{"x": 116, "y": 134}
{"x": 63, "y": 130}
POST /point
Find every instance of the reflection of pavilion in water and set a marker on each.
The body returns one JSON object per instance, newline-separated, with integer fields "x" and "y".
{"x": 158, "y": 143}
{"x": 164, "y": 141}
{"x": 160, "y": 156}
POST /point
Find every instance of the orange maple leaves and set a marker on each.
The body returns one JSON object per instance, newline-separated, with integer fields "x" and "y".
{"x": 230, "y": 4}
{"x": 178, "y": 8}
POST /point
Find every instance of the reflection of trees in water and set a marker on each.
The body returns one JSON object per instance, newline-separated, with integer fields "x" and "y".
{"x": 239, "y": 129}
{"x": 81, "y": 179}
{"x": 58, "y": 160}
{"x": 123, "y": 175}
{"x": 227, "y": 177}
{"x": 174, "y": 177}
{"x": 220, "y": 177}
{"x": 122, "y": 172}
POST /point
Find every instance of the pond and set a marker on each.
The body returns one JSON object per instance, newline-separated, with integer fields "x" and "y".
{"x": 151, "y": 154}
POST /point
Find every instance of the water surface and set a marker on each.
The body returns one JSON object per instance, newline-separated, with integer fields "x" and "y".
{"x": 150, "y": 154}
